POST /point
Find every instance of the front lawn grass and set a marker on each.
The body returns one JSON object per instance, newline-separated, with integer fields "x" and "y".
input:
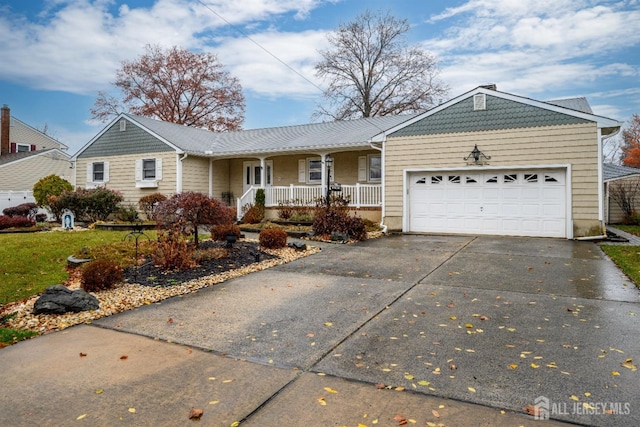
{"x": 31, "y": 262}
{"x": 10, "y": 336}
{"x": 627, "y": 258}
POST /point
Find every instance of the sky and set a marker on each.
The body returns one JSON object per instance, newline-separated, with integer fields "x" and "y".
{"x": 55, "y": 55}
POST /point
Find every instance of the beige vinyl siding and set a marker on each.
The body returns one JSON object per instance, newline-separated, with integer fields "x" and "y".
{"x": 24, "y": 134}
{"x": 221, "y": 178}
{"x": 122, "y": 174}
{"x": 195, "y": 174}
{"x": 570, "y": 144}
{"x": 23, "y": 174}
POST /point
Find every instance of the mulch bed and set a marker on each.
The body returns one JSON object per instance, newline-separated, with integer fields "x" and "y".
{"x": 240, "y": 255}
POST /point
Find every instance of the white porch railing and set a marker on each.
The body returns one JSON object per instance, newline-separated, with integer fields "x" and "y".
{"x": 360, "y": 195}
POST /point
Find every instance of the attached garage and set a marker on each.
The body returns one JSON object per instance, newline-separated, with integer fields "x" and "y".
{"x": 489, "y": 162}
{"x": 510, "y": 202}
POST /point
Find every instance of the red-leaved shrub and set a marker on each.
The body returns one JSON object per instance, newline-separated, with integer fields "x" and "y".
{"x": 100, "y": 275}
{"x": 273, "y": 238}
{"x": 16, "y": 222}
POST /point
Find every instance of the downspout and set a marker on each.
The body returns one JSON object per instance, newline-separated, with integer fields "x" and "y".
{"x": 601, "y": 196}
{"x": 382, "y": 184}
{"x": 179, "y": 161}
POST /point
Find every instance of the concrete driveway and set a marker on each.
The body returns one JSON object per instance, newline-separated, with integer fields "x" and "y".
{"x": 448, "y": 330}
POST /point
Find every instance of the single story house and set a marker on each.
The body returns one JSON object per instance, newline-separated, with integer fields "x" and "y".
{"x": 618, "y": 175}
{"x": 485, "y": 162}
{"x": 26, "y": 156}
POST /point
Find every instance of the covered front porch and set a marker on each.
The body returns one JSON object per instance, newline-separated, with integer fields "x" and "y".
{"x": 359, "y": 195}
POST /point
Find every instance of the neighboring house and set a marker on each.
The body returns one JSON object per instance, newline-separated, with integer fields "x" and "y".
{"x": 538, "y": 170}
{"x": 614, "y": 175}
{"x": 26, "y": 156}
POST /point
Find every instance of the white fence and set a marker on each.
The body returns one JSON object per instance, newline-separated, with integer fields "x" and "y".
{"x": 9, "y": 199}
{"x": 359, "y": 195}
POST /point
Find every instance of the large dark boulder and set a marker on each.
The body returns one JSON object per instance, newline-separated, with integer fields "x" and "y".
{"x": 59, "y": 299}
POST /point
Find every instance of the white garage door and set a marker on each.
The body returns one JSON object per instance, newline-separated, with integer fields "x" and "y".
{"x": 510, "y": 202}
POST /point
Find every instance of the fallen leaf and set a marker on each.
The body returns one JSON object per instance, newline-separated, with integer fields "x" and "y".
{"x": 513, "y": 366}
{"x": 400, "y": 419}
{"x": 408, "y": 377}
{"x": 534, "y": 366}
{"x": 532, "y": 410}
{"x": 132, "y": 410}
{"x": 99, "y": 391}
{"x": 629, "y": 365}
{"x": 170, "y": 320}
{"x": 330, "y": 390}
{"x": 471, "y": 389}
{"x": 574, "y": 397}
{"x": 435, "y": 413}
{"x": 328, "y": 323}
{"x": 380, "y": 386}
{"x": 195, "y": 413}
{"x": 322, "y": 401}
{"x": 81, "y": 416}
{"x": 468, "y": 325}
{"x": 399, "y": 389}
{"x": 424, "y": 383}
{"x": 124, "y": 357}
{"x": 615, "y": 373}
{"x": 235, "y": 424}
{"x": 83, "y": 354}
{"x": 484, "y": 318}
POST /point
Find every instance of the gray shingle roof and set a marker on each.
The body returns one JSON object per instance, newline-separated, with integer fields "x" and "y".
{"x": 578, "y": 104}
{"x": 611, "y": 171}
{"x": 334, "y": 135}
{"x": 5, "y": 159}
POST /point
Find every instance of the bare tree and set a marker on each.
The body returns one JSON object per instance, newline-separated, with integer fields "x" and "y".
{"x": 177, "y": 86}
{"x": 624, "y": 193}
{"x": 371, "y": 71}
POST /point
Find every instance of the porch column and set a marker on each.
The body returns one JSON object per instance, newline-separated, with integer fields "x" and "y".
{"x": 210, "y": 177}
{"x": 263, "y": 172}
{"x": 323, "y": 157}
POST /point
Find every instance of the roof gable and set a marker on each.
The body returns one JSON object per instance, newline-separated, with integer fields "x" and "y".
{"x": 118, "y": 139}
{"x": 499, "y": 114}
{"x": 503, "y": 111}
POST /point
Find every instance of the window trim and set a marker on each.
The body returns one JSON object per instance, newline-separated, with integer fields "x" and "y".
{"x": 145, "y": 170}
{"x": 316, "y": 170}
{"x": 370, "y": 168}
{"x": 93, "y": 172}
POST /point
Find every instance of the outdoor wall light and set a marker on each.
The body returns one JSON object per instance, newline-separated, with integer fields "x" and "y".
{"x": 476, "y": 155}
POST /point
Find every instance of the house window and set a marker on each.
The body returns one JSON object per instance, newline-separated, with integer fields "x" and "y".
{"x": 149, "y": 169}
{"x": 123, "y": 125}
{"x": 436, "y": 179}
{"x": 98, "y": 172}
{"x": 315, "y": 170}
{"x": 375, "y": 168}
{"x": 22, "y": 148}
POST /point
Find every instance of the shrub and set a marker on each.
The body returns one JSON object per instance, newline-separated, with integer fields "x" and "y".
{"x": 260, "y": 198}
{"x": 192, "y": 210}
{"x": 173, "y": 252}
{"x": 148, "y": 204}
{"x": 99, "y": 275}
{"x": 127, "y": 213}
{"x": 219, "y": 232}
{"x": 336, "y": 219}
{"x": 48, "y": 186}
{"x": 285, "y": 210}
{"x": 91, "y": 205}
{"x": 25, "y": 209}
{"x": 253, "y": 215}
{"x": 273, "y": 238}
{"x": 15, "y": 222}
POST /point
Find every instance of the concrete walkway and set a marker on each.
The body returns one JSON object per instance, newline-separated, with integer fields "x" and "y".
{"x": 447, "y": 330}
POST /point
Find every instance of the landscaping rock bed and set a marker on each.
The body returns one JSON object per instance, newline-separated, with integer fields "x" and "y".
{"x": 241, "y": 254}
{"x": 127, "y": 296}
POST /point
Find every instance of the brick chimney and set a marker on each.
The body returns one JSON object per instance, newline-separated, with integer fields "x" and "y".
{"x": 4, "y": 137}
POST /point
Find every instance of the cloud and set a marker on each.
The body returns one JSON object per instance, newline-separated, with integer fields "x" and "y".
{"x": 535, "y": 46}
{"x": 77, "y": 45}
{"x": 252, "y": 62}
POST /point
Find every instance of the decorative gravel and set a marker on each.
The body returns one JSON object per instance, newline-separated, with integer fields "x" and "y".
{"x": 126, "y": 296}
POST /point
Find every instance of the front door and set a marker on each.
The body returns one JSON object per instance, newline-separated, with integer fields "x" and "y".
{"x": 252, "y": 174}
